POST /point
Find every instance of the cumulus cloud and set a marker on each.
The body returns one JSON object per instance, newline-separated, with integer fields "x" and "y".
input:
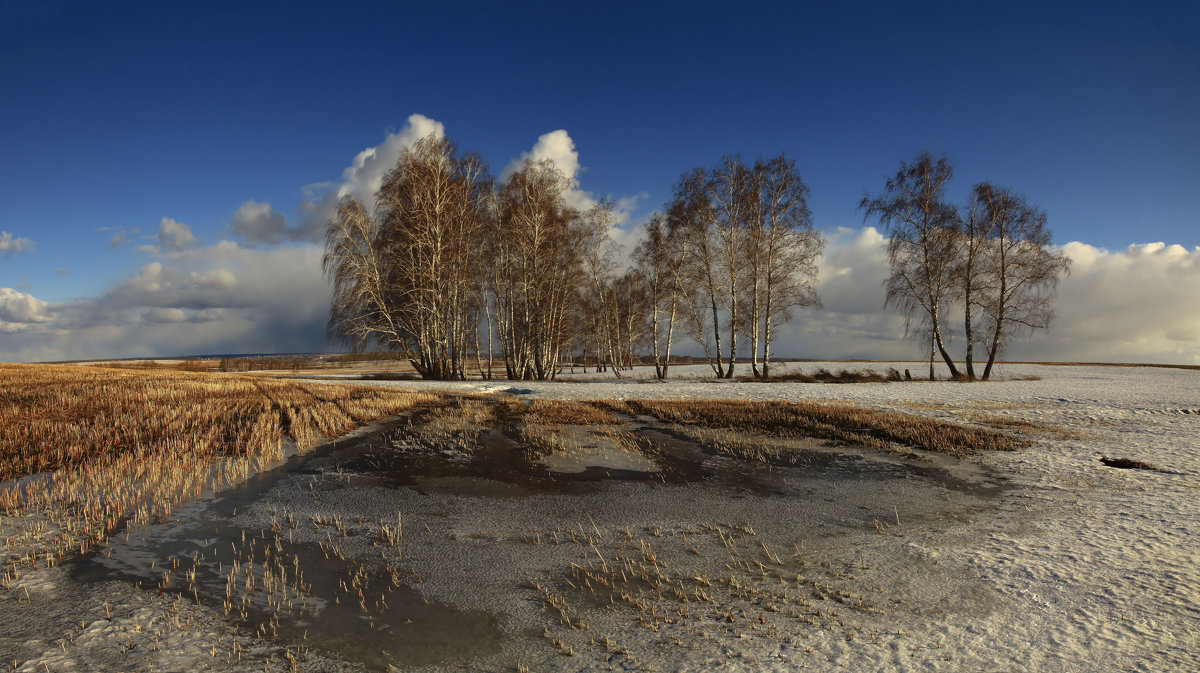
{"x": 174, "y": 235}
{"x": 556, "y": 146}
{"x": 10, "y": 245}
{"x": 363, "y": 177}
{"x": 559, "y": 148}
{"x": 260, "y": 223}
{"x": 21, "y": 307}
{"x": 1136, "y": 304}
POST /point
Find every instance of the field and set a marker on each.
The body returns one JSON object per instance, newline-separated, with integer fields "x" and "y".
{"x": 87, "y": 450}
{"x": 162, "y": 520}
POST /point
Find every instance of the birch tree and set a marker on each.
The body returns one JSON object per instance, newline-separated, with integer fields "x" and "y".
{"x": 401, "y": 277}
{"x": 1021, "y": 270}
{"x": 921, "y": 243}
{"x": 782, "y": 250}
{"x": 691, "y": 218}
{"x": 537, "y": 252}
{"x": 659, "y": 259}
{"x": 972, "y": 231}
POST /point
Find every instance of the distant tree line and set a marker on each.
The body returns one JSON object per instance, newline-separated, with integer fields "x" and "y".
{"x": 453, "y": 269}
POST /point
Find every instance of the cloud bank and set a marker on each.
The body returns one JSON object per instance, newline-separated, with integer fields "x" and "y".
{"x": 1133, "y": 305}
{"x": 223, "y": 298}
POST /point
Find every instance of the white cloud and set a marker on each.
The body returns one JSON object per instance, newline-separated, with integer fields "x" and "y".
{"x": 556, "y": 146}
{"x": 10, "y": 244}
{"x": 362, "y": 178}
{"x": 174, "y": 235}
{"x": 21, "y": 307}
{"x": 1137, "y": 304}
{"x": 559, "y": 148}
{"x": 259, "y": 222}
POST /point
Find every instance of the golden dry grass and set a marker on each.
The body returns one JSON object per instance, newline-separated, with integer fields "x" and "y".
{"x": 840, "y": 422}
{"x": 565, "y": 412}
{"x": 104, "y": 448}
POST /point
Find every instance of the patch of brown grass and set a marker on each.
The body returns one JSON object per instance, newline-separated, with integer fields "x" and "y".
{"x": 107, "y": 447}
{"x": 826, "y": 376}
{"x": 840, "y": 422}
{"x": 565, "y": 412}
{"x": 1127, "y": 464}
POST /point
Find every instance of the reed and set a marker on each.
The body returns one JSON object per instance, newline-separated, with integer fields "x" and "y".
{"x": 85, "y": 451}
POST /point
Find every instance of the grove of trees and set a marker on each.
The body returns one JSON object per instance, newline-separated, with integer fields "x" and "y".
{"x": 990, "y": 258}
{"x": 451, "y": 269}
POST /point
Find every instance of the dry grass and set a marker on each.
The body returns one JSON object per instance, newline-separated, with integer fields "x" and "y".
{"x": 825, "y": 376}
{"x": 564, "y": 412}
{"x": 1128, "y": 464}
{"x": 839, "y": 422}
{"x": 105, "y": 448}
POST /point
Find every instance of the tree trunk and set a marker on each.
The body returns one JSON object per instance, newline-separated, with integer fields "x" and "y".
{"x": 720, "y": 366}
{"x": 931, "y": 356}
{"x": 670, "y": 336}
{"x": 970, "y": 356}
{"x": 987, "y": 370}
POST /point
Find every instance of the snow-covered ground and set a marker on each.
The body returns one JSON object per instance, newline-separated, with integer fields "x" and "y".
{"x": 1084, "y": 567}
{"x": 1072, "y": 566}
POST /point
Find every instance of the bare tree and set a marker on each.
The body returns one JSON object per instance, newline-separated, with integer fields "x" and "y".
{"x": 401, "y": 277}
{"x": 363, "y": 307}
{"x": 630, "y": 309}
{"x": 536, "y": 255}
{"x": 730, "y": 190}
{"x": 598, "y": 265}
{"x": 690, "y": 220}
{"x": 972, "y": 232}
{"x": 781, "y": 253}
{"x": 1021, "y": 270}
{"x": 921, "y": 243}
{"x": 659, "y": 259}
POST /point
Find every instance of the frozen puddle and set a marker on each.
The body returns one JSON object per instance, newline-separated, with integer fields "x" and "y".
{"x": 389, "y": 550}
{"x": 598, "y": 458}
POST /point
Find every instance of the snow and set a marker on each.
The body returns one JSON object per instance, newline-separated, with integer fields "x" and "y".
{"x": 1083, "y": 567}
{"x": 1072, "y": 566}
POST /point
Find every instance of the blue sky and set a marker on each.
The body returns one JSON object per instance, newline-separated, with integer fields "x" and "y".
{"x": 116, "y": 117}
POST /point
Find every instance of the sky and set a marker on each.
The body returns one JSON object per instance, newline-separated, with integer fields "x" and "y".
{"x": 167, "y": 169}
